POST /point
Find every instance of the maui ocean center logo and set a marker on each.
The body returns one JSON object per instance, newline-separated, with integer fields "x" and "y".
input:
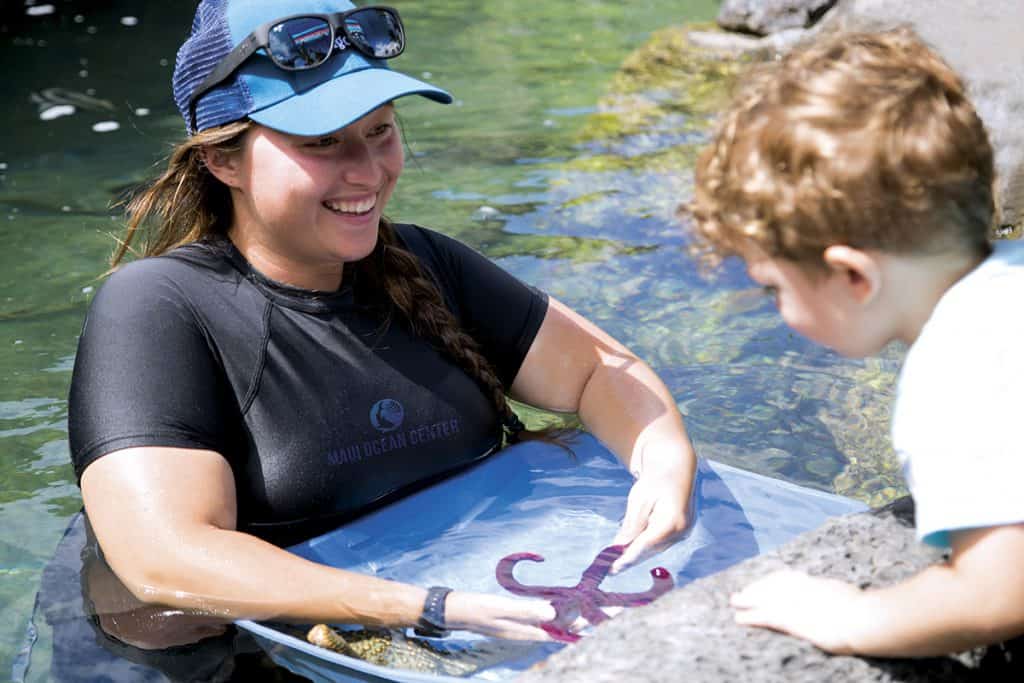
{"x": 387, "y": 415}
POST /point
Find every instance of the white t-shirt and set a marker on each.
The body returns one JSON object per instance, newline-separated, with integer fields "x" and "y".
{"x": 960, "y": 403}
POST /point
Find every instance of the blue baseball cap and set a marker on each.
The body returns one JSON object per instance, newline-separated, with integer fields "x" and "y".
{"x": 315, "y": 101}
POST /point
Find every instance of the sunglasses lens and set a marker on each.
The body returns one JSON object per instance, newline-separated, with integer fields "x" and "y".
{"x": 300, "y": 43}
{"x": 376, "y": 32}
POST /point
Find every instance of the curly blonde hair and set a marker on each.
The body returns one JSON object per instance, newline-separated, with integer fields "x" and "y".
{"x": 863, "y": 139}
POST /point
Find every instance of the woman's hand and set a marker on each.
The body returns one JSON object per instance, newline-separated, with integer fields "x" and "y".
{"x": 498, "y": 616}
{"x": 573, "y": 366}
{"x": 657, "y": 510}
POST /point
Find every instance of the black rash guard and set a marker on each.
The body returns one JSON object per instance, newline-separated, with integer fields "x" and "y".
{"x": 320, "y": 409}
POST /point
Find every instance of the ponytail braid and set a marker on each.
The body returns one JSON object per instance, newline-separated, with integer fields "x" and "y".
{"x": 396, "y": 272}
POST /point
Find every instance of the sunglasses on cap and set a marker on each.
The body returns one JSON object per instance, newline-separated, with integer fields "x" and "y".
{"x": 305, "y": 41}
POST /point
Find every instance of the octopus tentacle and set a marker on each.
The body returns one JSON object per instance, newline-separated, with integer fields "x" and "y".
{"x": 602, "y": 564}
{"x": 585, "y": 598}
{"x": 561, "y": 634}
{"x": 591, "y": 611}
{"x": 631, "y": 599}
{"x": 662, "y": 584}
{"x": 504, "y": 574}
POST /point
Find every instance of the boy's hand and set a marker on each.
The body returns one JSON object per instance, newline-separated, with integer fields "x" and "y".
{"x": 826, "y": 612}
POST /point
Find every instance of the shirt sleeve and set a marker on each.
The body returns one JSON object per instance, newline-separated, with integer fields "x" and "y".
{"x": 499, "y": 310}
{"x": 955, "y": 427}
{"x": 144, "y": 373}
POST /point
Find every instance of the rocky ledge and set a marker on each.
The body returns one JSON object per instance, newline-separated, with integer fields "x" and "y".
{"x": 689, "y": 634}
{"x": 981, "y": 40}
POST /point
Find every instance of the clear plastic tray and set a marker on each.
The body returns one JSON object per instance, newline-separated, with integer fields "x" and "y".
{"x": 534, "y": 498}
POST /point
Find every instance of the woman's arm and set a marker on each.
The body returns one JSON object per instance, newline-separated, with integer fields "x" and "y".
{"x": 166, "y": 517}
{"x": 573, "y": 366}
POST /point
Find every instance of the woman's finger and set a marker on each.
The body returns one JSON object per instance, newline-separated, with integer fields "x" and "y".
{"x": 638, "y": 511}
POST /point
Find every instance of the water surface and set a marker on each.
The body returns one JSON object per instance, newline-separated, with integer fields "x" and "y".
{"x": 506, "y": 168}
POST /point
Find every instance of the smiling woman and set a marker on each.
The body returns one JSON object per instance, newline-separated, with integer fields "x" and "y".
{"x": 308, "y": 204}
{"x": 284, "y": 358}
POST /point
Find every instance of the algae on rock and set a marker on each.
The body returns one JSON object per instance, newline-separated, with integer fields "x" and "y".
{"x": 667, "y": 75}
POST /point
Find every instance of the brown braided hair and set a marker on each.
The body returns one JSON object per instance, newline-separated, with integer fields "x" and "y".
{"x": 396, "y": 272}
{"x": 187, "y": 204}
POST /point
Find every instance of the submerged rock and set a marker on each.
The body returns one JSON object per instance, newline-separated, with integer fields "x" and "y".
{"x": 668, "y": 84}
{"x": 388, "y": 648}
{"x": 689, "y": 634}
{"x": 762, "y": 17}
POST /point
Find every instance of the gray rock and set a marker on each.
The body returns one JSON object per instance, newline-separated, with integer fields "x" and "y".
{"x": 740, "y": 43}
{"x": 762, "y": 17}
{"x": 689, "y": 634}
{"x": 983, "y": 41}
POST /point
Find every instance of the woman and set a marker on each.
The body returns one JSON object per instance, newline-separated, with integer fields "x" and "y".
{"x": 285, "y": 357}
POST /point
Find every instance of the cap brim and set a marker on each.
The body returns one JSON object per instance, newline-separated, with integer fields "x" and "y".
{"x": 346, "y": 98}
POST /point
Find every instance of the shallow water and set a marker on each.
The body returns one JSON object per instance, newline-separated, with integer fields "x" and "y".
{"x": 506, "y": 168}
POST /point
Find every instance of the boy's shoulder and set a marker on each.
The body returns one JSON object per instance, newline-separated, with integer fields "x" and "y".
{"x": 991, "y": 289}
{"x": 972, "y": 336}
{"x": 974, "y": 329}
{"x": 955, "y": 423}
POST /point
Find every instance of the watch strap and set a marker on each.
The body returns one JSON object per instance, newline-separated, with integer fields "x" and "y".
{"x": 431, "y": 623}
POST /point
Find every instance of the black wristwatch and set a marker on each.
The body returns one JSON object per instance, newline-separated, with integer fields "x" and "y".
{"x": 431, "y": 623}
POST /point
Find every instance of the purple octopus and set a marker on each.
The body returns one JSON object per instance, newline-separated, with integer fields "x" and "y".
{"x": 585, "y": 598}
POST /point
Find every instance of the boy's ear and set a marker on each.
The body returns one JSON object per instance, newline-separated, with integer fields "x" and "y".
{"x": 222, "y": 165}
{"x": 860, "y": 271}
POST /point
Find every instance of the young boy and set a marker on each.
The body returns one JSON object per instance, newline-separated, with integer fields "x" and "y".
{"x": 855, "y": 179}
